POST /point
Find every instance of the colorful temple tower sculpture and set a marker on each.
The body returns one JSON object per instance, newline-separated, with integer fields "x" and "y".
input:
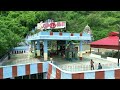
{"x": 88, "y": 30}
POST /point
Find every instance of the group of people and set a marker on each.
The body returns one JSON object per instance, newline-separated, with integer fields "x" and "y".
{"x": 92, "y": 65}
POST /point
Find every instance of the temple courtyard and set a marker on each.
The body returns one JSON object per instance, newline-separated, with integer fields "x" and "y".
{"x": 72, "y": 66}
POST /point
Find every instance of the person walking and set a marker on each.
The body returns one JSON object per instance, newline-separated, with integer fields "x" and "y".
{"x": 92, "y": 64}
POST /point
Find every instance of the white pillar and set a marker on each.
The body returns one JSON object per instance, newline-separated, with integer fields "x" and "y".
{"x": 80, "y": 48}
{"x": 34, "y": 48}
{"x": 45, "y": 50}
{"x": 38, "y": 48}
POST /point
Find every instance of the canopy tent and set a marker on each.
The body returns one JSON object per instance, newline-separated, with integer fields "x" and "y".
{"x": 110, "y": 42}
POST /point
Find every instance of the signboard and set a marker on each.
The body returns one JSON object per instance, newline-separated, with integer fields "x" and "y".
{"x": 51, "y": 25}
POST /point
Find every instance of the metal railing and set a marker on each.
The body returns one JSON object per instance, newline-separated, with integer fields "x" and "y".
{"x": 77, "y": 68}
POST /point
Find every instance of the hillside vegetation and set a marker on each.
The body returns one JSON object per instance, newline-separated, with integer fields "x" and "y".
{"x": 15, "y": 25}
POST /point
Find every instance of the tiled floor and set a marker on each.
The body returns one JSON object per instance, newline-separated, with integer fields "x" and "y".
{"x": 20, "y": 59}
{"x": 83, "y": 65}
{"x": 76, "y": 65}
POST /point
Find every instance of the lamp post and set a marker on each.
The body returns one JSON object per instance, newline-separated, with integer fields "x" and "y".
{"x": 118, "y": 45}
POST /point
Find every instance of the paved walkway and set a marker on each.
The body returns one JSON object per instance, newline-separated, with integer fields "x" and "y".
{"x": 76, "y": 65}
{"x": 83, "y": 65}
{"x": 20, "y": 59}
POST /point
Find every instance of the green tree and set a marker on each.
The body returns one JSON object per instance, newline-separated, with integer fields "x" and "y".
{"x": 15, "y": 25}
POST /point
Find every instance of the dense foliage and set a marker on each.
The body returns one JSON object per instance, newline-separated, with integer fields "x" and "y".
{"x": 15, "y": 25}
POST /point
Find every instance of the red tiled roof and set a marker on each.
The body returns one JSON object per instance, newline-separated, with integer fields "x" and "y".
{"x": 110, "y": 42}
